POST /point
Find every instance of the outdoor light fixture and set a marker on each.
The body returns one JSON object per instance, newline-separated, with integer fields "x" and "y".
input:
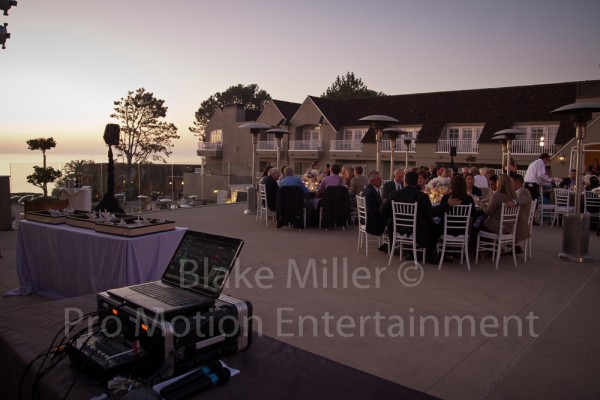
{"x": 255, "y": 129}
{"x": 576, "y": 227}
{"x": 320, "y": 121}
{"x": 378, "y": 123}
{"x": 561, "y": 159}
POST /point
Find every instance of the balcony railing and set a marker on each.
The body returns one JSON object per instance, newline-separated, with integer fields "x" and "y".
{"x": 266, "y": 145}
{"x": 210, "y": 146}
{"x": 462, "y": 146}
{"x": 345, "y": 145}
{"x": 306, "y": 145}
{"x": 400, "y": 146}
{"x": 531, "y": 147}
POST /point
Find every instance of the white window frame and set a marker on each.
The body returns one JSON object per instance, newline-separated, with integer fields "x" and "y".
{"x": 534, "y": 132}
{"x": 355, "y": 135}
{"x": 470, "y": 132}
{"x": 216, "y": 136}
{"x": 312, "y": 134}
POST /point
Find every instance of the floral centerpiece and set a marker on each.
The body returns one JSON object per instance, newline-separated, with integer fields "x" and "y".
{"x": 312, "y": 178}
{"x": 437, "y": 188}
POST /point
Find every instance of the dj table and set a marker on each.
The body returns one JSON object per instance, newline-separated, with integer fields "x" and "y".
{"x": 59, "y": 261}
{"x": 270, "y": 369}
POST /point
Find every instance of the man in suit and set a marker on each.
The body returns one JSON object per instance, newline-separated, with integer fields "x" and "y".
{"x": 524, "y": 200}
{"x": 375, "y": 220}
{"x": 395, "y": 184}
{"x": 425, "y": 233}
{"x": 569, "y": 181}
{"x": 271, "y": 188}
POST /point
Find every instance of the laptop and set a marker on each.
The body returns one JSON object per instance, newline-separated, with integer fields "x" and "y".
{"x": 193, "y": 279}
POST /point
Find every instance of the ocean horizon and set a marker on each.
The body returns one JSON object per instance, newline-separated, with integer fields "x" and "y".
{"x": 19, "y": 165}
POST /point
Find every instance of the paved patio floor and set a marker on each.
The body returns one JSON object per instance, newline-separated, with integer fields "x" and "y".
{"x": 526, "y": 332}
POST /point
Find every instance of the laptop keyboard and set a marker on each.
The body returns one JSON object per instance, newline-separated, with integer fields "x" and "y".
{"x": 171, "y": 296}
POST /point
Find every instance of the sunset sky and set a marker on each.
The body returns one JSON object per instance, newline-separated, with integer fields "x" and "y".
{"x": 68, "y": 60}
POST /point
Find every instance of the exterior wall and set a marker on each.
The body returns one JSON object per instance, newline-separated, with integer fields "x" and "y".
{"x": 591, "y": 144}
{"x": 236, "y": 159}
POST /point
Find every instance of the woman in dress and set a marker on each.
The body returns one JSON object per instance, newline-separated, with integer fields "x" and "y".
{"x": 493, "y": 210}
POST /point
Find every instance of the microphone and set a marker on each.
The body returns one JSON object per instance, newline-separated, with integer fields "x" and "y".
{"x": 216, "y": 378}
{"x": 196, "y": 375}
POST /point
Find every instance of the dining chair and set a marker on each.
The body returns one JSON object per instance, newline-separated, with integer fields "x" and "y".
{"x": 335, "y": 207}
{"x": 290, "y": 208}
{"x": 361, "y": 207}
{"x": 592, "y": 207}
{"x": 263, "y": 206}
{"x": 527, "y": 244}
{"x": 404, "y": 216}
{"x": 562, "y": 205}
{"x": 455, "y": 238}
{"x": 545, "y": 208}
{"x": 493, "y": 241}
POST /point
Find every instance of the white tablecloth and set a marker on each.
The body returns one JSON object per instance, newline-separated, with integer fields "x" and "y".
{"x": 60, "y": 261}
{"x": 79, "y": 198}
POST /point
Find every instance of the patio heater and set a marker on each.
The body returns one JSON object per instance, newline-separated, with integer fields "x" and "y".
{"x": 506, "y": 136}
{"x": 576, "y": 226}
{"x": 255, "y": 128}
{"x": 394, "y": 134}
{"x": 278, "y": 136}
{"x": 378, "y": 123}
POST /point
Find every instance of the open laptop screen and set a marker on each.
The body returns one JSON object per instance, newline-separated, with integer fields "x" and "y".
{"x": 202, "y": 262}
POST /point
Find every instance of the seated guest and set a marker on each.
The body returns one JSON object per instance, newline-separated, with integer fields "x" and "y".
{"x": 493, "y": 186}
{"x": 333, "y": 179}
{"x": 569, "y": 181}
{"x": 375, "y": 220}
{"x": 524, "y": 200}
{"x": 472, "y": 190}
{"x": 395, "y": 184}
{"x": 457, "y": 195}
{"x": 594, "y": 183}
{"x": 347, "y": 175}
{"x": 422, "y": 179}
{"x": 265, "y": 174}
{"x": 289, "y": 179}
{"x": 271, "y": 188}
{"x": 411, "y": 194}
{"x": 480, "y": 180}
{"x": 358, "y": 181}
{"x": 493, "y": 209}
{"x": 316, "y": 166}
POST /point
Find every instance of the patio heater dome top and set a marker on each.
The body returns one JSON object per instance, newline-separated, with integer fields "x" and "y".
{"x": 255, "y": 127}
{"x": 378, "y": 118}
{"x": 506, "y": 134}
{"x": 279, "y": 132}
{"x": 578, "y": 111}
